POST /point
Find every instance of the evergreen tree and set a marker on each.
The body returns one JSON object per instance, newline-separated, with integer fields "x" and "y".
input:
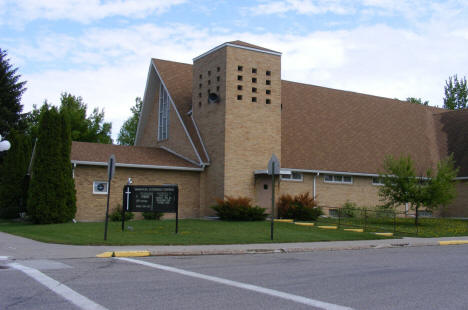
{"x": 13, "y": 176}
{"x": 69, "y": 182}
{"x": 456, "y": 93}
{"x": 127, "y": 134}
{"x": 50, "y": 196}
{"x": 11, "y": 91}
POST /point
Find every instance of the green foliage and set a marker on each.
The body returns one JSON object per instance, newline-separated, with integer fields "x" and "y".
{"x": 417, "y": 101}
{"x": 13, "y": 179}
{"x": 11, "y": 91}
{"x": 128, "y": 131}
{"x": 152, "y": 215}
{"x": 238, "y": 209}
{"x": 85, "y": 129}
{"x": 51, "y": 193}
{"x": 301, "y": 207}
{"x": 402, "y": 185}
{"x": 349, "y": 209}
{"x": 116, "y": 215}
{"x": 456, "y": 93}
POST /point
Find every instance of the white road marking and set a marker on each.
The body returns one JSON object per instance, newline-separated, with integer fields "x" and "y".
{"x": 3, "y": 257}
{"x": 61, "y": 289}
{"x": 246, "y": 286}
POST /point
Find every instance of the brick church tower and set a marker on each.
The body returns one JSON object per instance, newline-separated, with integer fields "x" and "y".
{"x": 236, "y": 102}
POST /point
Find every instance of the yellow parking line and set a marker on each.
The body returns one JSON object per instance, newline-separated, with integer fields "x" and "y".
{"x": 453, "y": 242}
{"x": 354, "y": 229}
{"x": 304, "y": 224}
{"x": 283, "y": 220}
{"x": 328, "y": 227}
{"x": 384, "y": 234}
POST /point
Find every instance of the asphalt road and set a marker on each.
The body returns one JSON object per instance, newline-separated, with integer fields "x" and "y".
{"x": 430, "y": 277}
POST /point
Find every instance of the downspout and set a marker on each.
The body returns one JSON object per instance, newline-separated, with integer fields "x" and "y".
{"x": 315, "y": 176}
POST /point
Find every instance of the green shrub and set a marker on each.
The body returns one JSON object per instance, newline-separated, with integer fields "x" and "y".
{"x": 301, "y": 207}
{"x": 116, "y": 215}
{"x": 238, "y": 209}
{"x": 152, "y": 215}
{"x": 349, "y": 209}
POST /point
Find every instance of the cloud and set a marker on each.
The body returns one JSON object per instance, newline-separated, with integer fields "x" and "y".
{"x": 108, "y": 66}
{"x": 83, "y": 11}
{"x": 308, "y": 7}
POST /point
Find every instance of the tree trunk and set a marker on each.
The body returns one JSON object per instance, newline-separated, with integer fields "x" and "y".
{"x": 417, "y": 216}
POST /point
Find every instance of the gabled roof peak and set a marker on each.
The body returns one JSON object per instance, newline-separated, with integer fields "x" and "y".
{"x": 240, "y": 44}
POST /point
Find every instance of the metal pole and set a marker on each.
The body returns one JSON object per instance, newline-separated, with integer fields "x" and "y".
{"x": 339, "y": 217}
{"x": 272, "y": 199}
{"x": 394, "y": 221}
{"x": 365, "y": 219}
{"x": 177, "y": 220}
{"x": 107, "y": 208}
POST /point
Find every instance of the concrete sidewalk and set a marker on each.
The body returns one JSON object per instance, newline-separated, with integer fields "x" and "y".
{"x": 15, "y": 247}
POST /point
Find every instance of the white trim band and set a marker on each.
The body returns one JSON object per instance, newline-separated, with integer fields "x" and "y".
{"x": 98, "y": 163}
{"x": 238, "y": 46}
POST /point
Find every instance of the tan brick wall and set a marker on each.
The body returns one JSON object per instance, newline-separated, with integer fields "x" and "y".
{"x": 92, "y": 207}
{"x": 210, "y": 118}
{"x": 253, "y": 129}
{"x": 459, "y": 208}
{"x": 361, "y": 192}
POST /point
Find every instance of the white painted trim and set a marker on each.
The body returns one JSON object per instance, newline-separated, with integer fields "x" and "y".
{"x": 178, "y": 115}
{"x": 144, "y": 101}
{"x": 315, "y": 189}
{"x": 282, "y": 171}
{"x": 335, "y": 172}
{"x": 58, "y": 288}
{"x": 291, "y": 174}
{"x": 98, "y": 163}
{"x": 238, "y": 46}
{"x": 179, "y": 155}
{"x": 461, "y": 178}
{"x": 199, "y": 136}
{"x": 245, "y": 286}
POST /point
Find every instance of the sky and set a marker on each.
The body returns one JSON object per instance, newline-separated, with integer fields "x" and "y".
{"x": 101, "y": 50}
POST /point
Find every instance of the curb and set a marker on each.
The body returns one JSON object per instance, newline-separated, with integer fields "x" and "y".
{"x": 453, "y": 242}
{"x": 276, "y": 250}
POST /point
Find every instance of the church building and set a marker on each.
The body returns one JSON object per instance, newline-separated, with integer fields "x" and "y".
{"x": 210, "y": 127}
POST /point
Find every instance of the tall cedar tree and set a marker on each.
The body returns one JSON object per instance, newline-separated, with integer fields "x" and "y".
{"x": 11, "y": 91}
{"x": 402, "y": 184}
{"x": 456, "y": 93}
{"x": 51, "y": 199}
{"x": 13, "y": 181}
{"x": 128, "y": 131}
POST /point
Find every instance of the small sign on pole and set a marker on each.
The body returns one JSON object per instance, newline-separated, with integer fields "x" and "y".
{"x": 110, "y": 175}
{"x": 273, "y": 169}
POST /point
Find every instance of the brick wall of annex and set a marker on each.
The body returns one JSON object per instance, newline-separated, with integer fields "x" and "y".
{"x": 253, "y": 128}
{"x": 92, "y": 207}
{"x": 459, "y": 208}
{"x": 361, "y": 192}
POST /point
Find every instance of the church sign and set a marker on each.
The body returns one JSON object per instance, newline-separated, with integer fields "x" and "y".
{"x": 151, "y": 198}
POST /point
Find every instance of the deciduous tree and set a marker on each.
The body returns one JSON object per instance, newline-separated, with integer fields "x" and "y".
{"x": 128, "y": 131}
{"x": 456, "y": 93}
{"x": 402, "y": 184}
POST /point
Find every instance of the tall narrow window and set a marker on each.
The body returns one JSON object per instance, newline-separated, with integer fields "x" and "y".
{"x": 163, "y": 124}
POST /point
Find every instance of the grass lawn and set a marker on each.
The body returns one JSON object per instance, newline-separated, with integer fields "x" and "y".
{"x": 191, "y": 232}
{"x": 428, "y": 227}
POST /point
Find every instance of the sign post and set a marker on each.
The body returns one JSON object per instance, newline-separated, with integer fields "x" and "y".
{"x": 110, "y": 174}
{"x": 273, "y": 169}
{"x": 126, "y": 206}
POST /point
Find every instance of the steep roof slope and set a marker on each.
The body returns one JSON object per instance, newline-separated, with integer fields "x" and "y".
{"x": 178, "y": 79}
{"x": 335, "y": 130}
{"x": 136, "y": 155}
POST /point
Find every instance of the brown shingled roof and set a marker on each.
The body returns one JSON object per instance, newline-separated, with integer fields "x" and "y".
{"x": 335, "y": 130}
{"x": 452, "y": 137}
{"x": 97, "y": 152}
{"x": 178, "y": 79}
{"x": 245, "y": 44}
